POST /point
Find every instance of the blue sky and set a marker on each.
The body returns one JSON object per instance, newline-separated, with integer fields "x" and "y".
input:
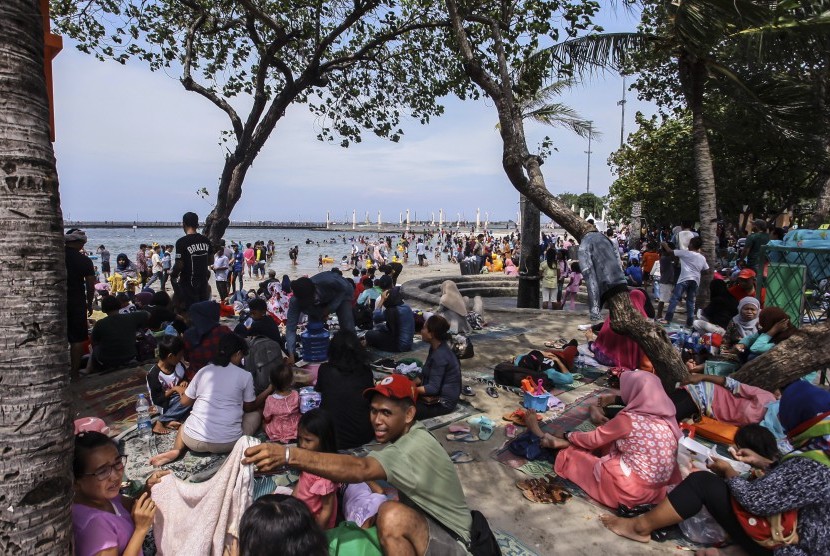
{"x": 134, "y": 144}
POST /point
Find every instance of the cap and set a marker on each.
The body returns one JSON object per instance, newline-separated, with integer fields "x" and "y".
{"x": 746, "y": 273}
{"x": 73, "y": 235}
{"x": 397, "y": 387}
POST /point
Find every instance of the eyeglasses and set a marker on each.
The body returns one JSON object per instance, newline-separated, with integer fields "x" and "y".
{"x": 103, "y": 473}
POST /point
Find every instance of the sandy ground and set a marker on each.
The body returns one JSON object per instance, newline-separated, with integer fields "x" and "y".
{"x": 572, "y": 528}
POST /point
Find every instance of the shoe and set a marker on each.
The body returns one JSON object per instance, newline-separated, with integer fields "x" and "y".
{"x": 468, "y": 391}
{"x": 584, "y": 326}
{"x": 492, "y": 392}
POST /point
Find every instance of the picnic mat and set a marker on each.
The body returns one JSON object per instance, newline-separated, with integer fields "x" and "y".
{"x": 573, "y": 416}
{"x": 462, "y": 411}
{"x": 114, "y": 402}
{"x": 585, "y": 375}
{"x": 510, "y": 545}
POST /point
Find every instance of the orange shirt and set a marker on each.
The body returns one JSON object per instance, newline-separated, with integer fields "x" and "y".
{"x": 649, "y": 258}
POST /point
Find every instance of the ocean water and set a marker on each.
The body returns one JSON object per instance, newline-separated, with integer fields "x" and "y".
{"x": 325, "y": 243}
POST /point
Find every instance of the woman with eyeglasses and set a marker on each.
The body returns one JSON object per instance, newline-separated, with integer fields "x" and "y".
{"x": 104, "y": 522}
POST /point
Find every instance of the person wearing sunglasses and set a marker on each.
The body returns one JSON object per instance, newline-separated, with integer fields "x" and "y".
{"x": 105, "y": 523}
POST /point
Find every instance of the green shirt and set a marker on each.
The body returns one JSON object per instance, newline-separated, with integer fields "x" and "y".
{"x": 754, "y": 242}
{"x": 417, "y": 465}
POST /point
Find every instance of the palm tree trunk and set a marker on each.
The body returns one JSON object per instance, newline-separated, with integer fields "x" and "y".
{"x": 524, "y": 172}
{"x": 692, "y": 78}
{"x": 35, "y": 427}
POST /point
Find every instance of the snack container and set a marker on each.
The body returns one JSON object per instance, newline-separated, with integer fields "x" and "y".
{"x": 538, "y": 403}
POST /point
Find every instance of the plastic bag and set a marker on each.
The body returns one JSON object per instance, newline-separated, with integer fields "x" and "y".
{"x": 702, "y": 528}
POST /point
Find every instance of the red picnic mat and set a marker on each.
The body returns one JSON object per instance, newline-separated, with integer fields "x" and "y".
{"x": 114, "y": 401}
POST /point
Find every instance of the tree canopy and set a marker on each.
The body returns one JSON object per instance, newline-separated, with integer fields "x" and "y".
{"x": 357, "y": 65}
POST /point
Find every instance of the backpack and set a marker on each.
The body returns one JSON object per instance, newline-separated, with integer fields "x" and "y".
{"x": 508, "y": 374}
{"x": 264, "y": 354}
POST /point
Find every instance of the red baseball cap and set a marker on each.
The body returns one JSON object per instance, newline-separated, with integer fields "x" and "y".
{"x": 746, "y": 273}
{"x": 397, "y": 387}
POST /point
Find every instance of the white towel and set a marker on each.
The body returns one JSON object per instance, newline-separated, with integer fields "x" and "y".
{"x": 203, "y": 518}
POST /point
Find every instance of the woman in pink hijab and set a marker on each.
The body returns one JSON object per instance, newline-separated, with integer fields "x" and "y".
{"x": 615, "y": 350}
{"x": 629, "y": 460}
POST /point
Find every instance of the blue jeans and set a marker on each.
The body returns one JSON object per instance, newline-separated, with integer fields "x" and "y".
{"x": 175, "y": 410}
{"x": 690, "y": 287}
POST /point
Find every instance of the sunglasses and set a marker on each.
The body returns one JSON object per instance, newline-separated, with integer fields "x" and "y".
{"x": 103, "y": 473}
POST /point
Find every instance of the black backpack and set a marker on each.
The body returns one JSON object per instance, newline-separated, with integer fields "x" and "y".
{"x": 264, "y": 354}
{"x": 508, "y": 374}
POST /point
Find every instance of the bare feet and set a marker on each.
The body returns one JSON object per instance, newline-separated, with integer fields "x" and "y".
{"x": 174, "y": 425}
{"x": 165, "y": 457}
{"x": 161, "y": 428}
{"x": 532, "y": 423}
{"x": 623, "y": 527}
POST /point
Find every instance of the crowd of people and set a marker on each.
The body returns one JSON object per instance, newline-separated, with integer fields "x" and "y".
{"x": 212, "y": 390}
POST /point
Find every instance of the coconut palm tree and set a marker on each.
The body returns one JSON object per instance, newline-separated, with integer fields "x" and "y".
{"x": 691, "y": 33}
{"x": 35, "y": 430}
{"x": 536, "y": 101}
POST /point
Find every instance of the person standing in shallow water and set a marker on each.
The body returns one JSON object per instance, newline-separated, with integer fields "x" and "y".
{"x": 190, "y": 275}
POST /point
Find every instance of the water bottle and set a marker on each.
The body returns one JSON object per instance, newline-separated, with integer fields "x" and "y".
{"x": 144, "y": 425}
{"x": 315, "y": 342}
{"x": 694, "y": 340}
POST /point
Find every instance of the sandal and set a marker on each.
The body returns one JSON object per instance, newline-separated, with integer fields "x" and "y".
{"x": 462, "y": 437}
{"x": 461, "y": 457}
{"x": 492, "y": 392}
{"x": 467, "y": 391}
{"x": 518, "y": 417}
{"x": 485, "y": 429}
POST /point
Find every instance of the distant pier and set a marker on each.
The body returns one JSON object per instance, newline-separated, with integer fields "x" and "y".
{"x": 361, "y": 228}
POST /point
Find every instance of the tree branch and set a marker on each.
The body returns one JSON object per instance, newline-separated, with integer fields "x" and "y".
{"x": 361, "y": 54}
{"x": 191, "y": 85}
{"x": 472, "y": 66}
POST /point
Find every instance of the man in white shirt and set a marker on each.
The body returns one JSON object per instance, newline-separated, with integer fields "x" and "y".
{"x": 220, "y": 269}
{"x": 692, "y": 265}
{"x": 156, "y": 267}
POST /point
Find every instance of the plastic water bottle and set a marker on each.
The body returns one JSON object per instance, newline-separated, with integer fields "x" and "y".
{"x": 315, "y": 342}
{"x": 142, "y": 409}
{"x": 695, "y": 340}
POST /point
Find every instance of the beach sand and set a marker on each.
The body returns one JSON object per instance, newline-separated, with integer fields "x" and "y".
{"x": 573, "y": 528}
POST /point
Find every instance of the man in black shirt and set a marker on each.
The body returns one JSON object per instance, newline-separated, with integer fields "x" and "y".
{"x": 190, "y": 275}
{"x": 80, "y": 291}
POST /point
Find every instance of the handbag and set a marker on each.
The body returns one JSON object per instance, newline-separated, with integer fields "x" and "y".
{"x": 717, "y": 431}
{"x": 349, "y": 539}
{"x": 772, "y": 531}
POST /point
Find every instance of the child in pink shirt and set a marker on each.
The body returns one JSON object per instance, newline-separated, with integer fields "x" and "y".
{"x": 282, "y": 408}
{"x": 316, "y": 433}
{"x": 573, "y": 286}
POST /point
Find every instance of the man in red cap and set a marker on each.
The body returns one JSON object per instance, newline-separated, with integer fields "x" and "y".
{"x": 745, "y": 286}
{"x": 432, "y": 516}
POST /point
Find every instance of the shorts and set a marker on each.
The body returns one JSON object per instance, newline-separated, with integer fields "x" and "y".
{"x": 186, "y": 295}
{"x": 441, "y": 543}
{"x": 77, "y": 327}
{"x": 105, "y": 266}
{"x": 665, "y": 292}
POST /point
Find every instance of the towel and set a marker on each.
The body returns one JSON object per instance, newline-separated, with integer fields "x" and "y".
{"x": 203, "y": 518}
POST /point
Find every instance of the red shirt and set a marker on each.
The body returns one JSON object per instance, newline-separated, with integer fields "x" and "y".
{"x": 201, "y": 354}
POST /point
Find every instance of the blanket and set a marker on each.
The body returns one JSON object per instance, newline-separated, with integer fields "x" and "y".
{"x": 216, "y": 505}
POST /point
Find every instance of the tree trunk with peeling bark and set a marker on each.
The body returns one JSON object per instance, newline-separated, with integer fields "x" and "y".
{"x": 780, "y": 366}
{"x": 524, "y": 172}
{"x": 35, "y": 427}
